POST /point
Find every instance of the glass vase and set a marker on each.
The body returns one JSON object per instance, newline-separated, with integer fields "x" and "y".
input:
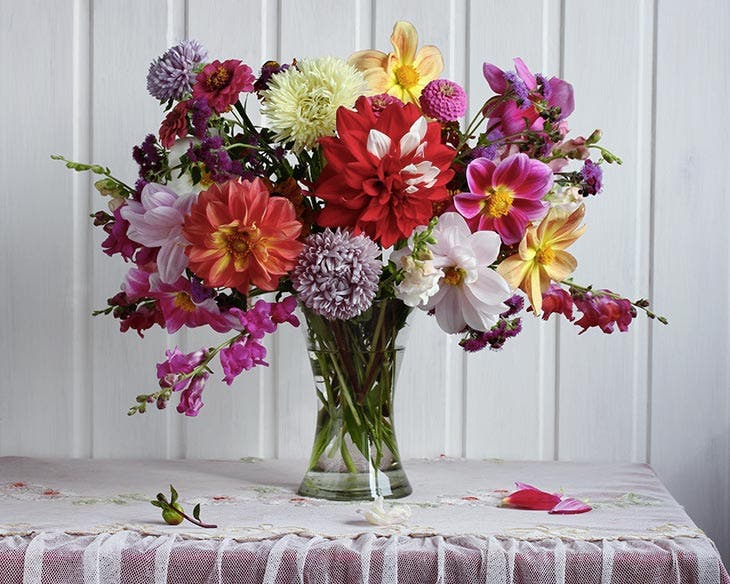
{"x": 355, "y": 364}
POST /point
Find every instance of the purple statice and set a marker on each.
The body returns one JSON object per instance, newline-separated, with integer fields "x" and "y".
{"x": 591, "y": 179}
{"x": 191, "y": 398}
{"x": 215, "y": 157}
{"x": 200, "y": 114}
{"x": 172, "y": 75}
{"x": 522, "y": 93}
{"x": 497, "y": 336}
{"x": 337, "y": 274}
{"x": 147, "y": 155}
{"x": 242, "y": 355}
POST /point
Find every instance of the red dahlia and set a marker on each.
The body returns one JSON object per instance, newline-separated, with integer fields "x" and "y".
{"x": 383, "y": 173}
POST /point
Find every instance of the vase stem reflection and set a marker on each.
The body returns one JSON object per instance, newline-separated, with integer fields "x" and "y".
{"x": 355, "y": 364}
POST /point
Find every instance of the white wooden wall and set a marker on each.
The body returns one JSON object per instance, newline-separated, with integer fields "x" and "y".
{"x": 653, "y": 74}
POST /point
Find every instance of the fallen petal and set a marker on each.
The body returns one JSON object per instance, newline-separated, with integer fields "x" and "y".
{"x": 528, "y": 497}
{"x": 570, "y": 506}
{"x": 377, "y": 514}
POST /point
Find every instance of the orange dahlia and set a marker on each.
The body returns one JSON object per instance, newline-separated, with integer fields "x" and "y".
{"x": 240, "y": 236}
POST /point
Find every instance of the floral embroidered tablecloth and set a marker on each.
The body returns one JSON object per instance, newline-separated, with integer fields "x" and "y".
{"x": 91, "y": 521}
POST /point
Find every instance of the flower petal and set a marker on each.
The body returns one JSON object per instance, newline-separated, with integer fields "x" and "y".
{"x": 570, "y": 506}
{"x": 525, "y": 74}
{"x": 479, "y": 175}
{"x": 405, "y": 41}
{"x": 532, "y": 499}
{"x": 368, "y": 59}
{"x": 378, "y": 144}
{"x": 429, "y": 64}
{"x": 495, "y": 78}
{"x": 561, "y": 267}
{"x": 468, "y": 204}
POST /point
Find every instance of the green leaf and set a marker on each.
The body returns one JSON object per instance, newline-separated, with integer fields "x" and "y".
{"x": 173, "y": 494}
{"x": 196, "y": 512}
{"x": 156, "y": 503}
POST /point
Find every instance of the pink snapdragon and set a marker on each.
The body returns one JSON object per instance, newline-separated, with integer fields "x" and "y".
{"x": 181, "y": 307}
{"x": 602, "y": 310}
{"x": 506, "y": 196}
{"x": 242, "y": 355}
{"x": 470, "y": 292}
{"x": 174, "y": 371}
{"x": 191, "y": 398}
{"x": 157, "y": 221}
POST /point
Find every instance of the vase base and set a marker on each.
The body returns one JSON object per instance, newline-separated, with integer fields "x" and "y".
{"x": 347, "y": 486}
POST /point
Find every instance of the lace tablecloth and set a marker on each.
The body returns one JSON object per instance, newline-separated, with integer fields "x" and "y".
{"x": 90, "y": 521}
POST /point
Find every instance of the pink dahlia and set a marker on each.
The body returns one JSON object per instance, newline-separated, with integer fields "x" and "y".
{"x": 181, "y": 308}
{"x": 221, "y": 83}
{"x": 443, "y": 100}
{"x": 505, "y": 197}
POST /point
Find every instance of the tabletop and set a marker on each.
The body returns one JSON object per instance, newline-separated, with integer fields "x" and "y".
{"x": 76, "y": 520}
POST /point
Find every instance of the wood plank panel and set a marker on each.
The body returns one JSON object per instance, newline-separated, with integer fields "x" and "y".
{"x": 126, "y": 38}
{"x": 603, "y": 378}
{"x": 36, "y": 230}
{"x": 240, "y": 420}
{"x": 509, "y": 410}
{"x": 690, "y": 367}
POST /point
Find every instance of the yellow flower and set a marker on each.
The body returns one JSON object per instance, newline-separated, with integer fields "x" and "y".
{"x": 541, "y": 256}
{"x": 402, "y": 74}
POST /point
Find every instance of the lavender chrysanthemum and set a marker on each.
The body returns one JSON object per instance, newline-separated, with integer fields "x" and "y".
{"x": 337, "y": 274}
{"x": 172, "y": 75}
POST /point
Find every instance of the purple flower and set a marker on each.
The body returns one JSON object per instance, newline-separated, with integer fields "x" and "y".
{"x": 443, "y": 100}
{"x": 242, "y": 355}
{"x": 174, "y": 370}
{"x": 117, "y": 240}
{"x": 201, "y": 113}
{"x": 216, "y": 159}
{"x": 284, "y": 311}
{"x": 257, "y": 320}
{"x": 172, "y": 75}
{"x": 591, "y": 179}
{"x": 268, "y": 70}
{"x": 522, "y": 94}
{"x": 337, "y": 274}
{"x": 149, "y": 159}
{"x": 191, "y": 398}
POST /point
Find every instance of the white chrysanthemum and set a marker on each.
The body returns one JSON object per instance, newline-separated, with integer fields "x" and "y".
{"x": 301, "y": 103}
{"x": 421, "y": 278}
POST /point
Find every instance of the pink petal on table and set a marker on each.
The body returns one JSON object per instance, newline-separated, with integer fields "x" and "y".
{"x": 528, "y": 497}
{"x": 569, "y": 506}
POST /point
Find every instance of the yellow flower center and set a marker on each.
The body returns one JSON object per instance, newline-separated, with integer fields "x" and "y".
{"x": 184, "y": 302}
{"x": 239, "y": 242}
{"x": 500, "y": 202}
{"x": 406, "y": 76}
{"x": 219, "y": 79}
{"x": 454, "y": 276}
{"x": 545, "y": 256}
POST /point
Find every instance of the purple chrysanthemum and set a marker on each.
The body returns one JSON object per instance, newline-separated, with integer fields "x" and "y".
{"x": 443, "y": 100}
{"x": 337, "y": 274}
{"x": 172, "y": 75}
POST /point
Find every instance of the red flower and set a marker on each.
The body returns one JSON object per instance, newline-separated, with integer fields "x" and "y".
{"x": 557, "y": 300}
{"x": 175, "y": 125}
{"x": 384, "y": 172}
{"x": 220, "y": 83}
{"x": 239, "y": 235}
{"x": 602, "y": 310}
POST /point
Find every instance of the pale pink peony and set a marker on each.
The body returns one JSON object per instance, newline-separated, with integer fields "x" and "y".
{"x": 470, "y": 292}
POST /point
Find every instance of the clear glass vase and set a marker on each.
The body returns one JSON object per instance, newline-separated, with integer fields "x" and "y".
{"x": 355, "y": 365}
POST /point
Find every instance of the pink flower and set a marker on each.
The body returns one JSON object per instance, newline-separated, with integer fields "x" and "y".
{"x": 117, "y": 240}
{"x": 283, "y": 311}
{"x": 557, "y": 300}
{"x": 533, "y": 499}
{"x": 180, "y": 308}
{"x": 443, "y": 100}
{"x": 221, "y": 83}
{"x": 191, "y": 398}
{"x": 601, "y": 309}
{"x": 157, "y": 221}
{"x": 174, "y": 370}
{"x": 470, "y": 292}
{"x": 256, "y": 320}
{"x": 242, "y": 355}
{"x": 136, "y": 284}
{"x": 520, "y": 113}
{"x": 505, "y": 197}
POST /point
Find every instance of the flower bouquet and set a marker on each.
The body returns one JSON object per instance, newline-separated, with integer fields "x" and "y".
{"x": 360, "y": 197}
